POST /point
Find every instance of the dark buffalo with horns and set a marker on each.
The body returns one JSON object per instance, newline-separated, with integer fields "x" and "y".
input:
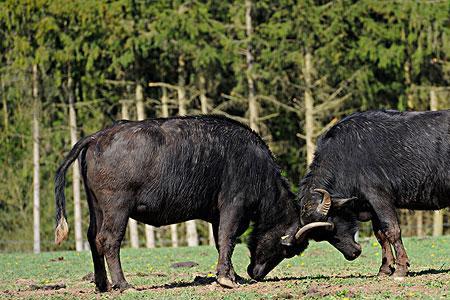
{"x": 367, "y": 166}
{"x": 166, "y": 171}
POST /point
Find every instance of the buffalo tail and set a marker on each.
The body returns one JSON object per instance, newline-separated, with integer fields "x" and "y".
{"x": 62, "y": 229}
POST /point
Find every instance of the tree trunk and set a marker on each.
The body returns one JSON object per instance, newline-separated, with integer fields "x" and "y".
{"x": 134, "y": 236}
{"x": 149, "y": 230}
{"x": 203, "y": 98}
{"x": 204, "y": 106}
{"x": 408, "y": 83}
{"x": 309, "y": 107}
{"x": 438, "y": 216}
{"x": 182, "y": 111}
{"x": 140, "y": 108}
{"x": 36, "y": 184}
{"x": 252, "y": 104}
{"x": 165, "y": 114}
{"x": 164, "y": 103}
{"x": 211, "y": 240}
{"x": 75, "y": 166}
{"x": 191, "y": 228}
{"x": 419, "y": 223}
{"x": 174, "y": 235}
{"x": 5, "y": 108}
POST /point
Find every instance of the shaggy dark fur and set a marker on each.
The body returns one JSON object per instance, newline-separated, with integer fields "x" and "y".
{"x": 387, "y": 160}
{"x": 166, "y": 171}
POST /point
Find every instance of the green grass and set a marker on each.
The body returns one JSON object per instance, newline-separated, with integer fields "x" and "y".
{"x": 321, "y": 272}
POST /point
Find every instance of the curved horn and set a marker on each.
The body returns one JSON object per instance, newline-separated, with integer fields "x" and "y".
{"x": 302, "y": 231}
{"x": 325, "y": 205}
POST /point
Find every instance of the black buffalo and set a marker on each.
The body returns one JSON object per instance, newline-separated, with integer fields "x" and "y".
{"x": 368, "y": 165}
{"x": 165, "y": 171}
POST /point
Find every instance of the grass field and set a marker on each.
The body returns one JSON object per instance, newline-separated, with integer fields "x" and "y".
{"x": 321, "y": 272}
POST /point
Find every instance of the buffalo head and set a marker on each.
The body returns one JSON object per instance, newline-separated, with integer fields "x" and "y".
{"x": 269, "y": 246}
{"x": 319, "y": 206}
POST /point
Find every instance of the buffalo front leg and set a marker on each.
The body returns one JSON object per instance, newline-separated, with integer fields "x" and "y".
{"x": 230, "y": 227}
{"x": 234, "y": 277}
{"x": 387, "y": 260}
{"x": 109, "y": 239}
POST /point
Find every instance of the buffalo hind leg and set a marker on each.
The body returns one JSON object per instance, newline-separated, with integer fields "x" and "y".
{"x": 231, "y": 226}
{"x": 109, "y": 239}
{"x": 391, "y": 229}
{"x": 95, "y": 221}
{"x": 387, "y": 261}
{"x": 402, "y": 261}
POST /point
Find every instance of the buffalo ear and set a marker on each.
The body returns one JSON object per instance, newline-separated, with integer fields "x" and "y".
{"x": 342, "y": 202}
{"x": 287, "y": 240}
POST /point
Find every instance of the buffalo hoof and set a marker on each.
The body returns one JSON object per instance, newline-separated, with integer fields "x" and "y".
{"x": 236, "y": 278}
{"x": 399, "y": 274}
{"x": 386, "y": 271}
{"x": 227, "y": 283}
{"x": 383, "y": 274}
{"x": 103, "y": 287}
{"x": 122, "y": 286}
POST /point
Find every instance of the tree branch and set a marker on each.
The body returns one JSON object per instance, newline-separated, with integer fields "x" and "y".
{"x": 163, "y": 84}
{"x": 326, "y": 127}
{"x": 276, "y": 102}
{"x": 268, "y": 117}
{"x": 299, "y": 135}
{"x": 327, "y": 105}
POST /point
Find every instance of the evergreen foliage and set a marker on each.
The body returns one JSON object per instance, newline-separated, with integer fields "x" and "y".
{"x": 366, "y": 54}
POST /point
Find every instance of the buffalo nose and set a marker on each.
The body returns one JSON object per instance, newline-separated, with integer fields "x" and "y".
{"x": 357, "y": 252}
{"x": 256, "y": 272}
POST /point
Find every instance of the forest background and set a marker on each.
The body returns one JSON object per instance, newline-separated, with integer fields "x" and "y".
{"x": 289, "y": 69}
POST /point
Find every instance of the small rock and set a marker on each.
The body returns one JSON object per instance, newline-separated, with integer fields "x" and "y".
{"x": 184, "y": 264}
{"x": 47, "y": 287}
{"x": 284, "y": 296}
{"x": 61, "y": 258}
{"x": 89, "y": 277}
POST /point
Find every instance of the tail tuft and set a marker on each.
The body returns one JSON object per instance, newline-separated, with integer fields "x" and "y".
{"x": 61, "y": 231}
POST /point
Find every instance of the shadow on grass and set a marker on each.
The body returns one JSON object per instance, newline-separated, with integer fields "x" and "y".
{"x": 198, "y": 281}
{"x": 318, "y": 277}
{"x": 205, "y": 281}
{"x": 429, "y": 272}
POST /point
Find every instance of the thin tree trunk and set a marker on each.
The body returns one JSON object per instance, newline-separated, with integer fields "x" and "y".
{"x": 164, "y": 103}
{"x": 419, "y": 223}
{"x": 204, "y": 106}
{"x": 174, "y": 235}
{"x": 134, "y": 236}
{"x": 252, "y": 104}
{"x": 75, "y": 167}
{"x": 165, "y": 114}
{"x": 309, "y": 107}
{"x": 211, "y": 240}
{"x": 191, "y": 227}
{"x": 5, "y": 107}
{"x": 182, "y": 111}
{"x": 438, "y": 216}
{"x": 36, "y": 183}
{"x": 408, "y": 83}
{"x": 149, "y": 230}
{"x": 203, "y": 98}
{"x": 140, "y": 109}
